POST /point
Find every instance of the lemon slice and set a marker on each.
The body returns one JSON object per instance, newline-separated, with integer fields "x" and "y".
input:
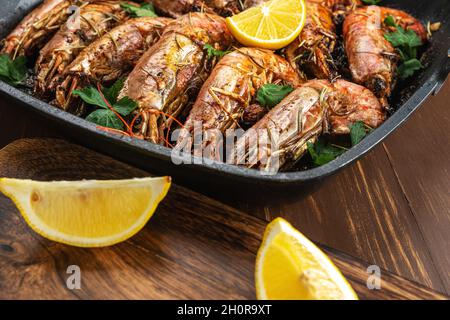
{"x": 290, "y": 267}
{"x": 87, "y": 213}
{"x": 272, "y": 25}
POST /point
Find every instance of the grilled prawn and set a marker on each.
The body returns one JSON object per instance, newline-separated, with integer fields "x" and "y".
{"x": 94, "y": 20}
{"x": 224, "y": 7}
{"x": 36, "y": 27}
{"x": 178, "y": 8}
{"x": 174, "y": 8}
{"x": 341, "y": 8}
{"x": 230, "y": 91}
{"x": 111, "y": 56}
{"x": 311, "y": 52}
{"x": 372, "y": 58}
{"x": 280, "y": 139}
{"x": 173, "y": 69}
{"x": 348, "y": 103}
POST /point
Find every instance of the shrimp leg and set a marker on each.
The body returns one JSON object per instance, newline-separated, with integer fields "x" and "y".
{"x": 109, "y": 57}
{"x": 168, "y": 74}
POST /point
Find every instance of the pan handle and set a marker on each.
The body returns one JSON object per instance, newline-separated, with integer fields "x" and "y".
{"x": 443, "y": 74}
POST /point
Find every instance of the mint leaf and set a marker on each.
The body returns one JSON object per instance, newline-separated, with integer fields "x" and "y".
{"x": 408, "y": 68}
{"x": 212, "y": 52}
{"x": 91, "y": 96}
{"x": 125, "y": 106}
{"x": 13, "y": 72}
{"x": 322, "y": 153}
{"x": 371, "y": 2}
{"x": 145, "y": 10}
{"x": 271, "y": 95}
{"x": 105, "y": 118}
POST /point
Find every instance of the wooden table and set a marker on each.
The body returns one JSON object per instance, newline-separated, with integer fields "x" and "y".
{"x": 391, "y": 209}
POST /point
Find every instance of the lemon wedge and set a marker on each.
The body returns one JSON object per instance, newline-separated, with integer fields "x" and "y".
{"x": 87, "y": 213}
{"x": 291, "y": 267}
{"x": 272, "y": 25}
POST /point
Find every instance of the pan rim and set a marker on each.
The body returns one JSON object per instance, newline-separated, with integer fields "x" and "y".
{"x": 433, "y": 78}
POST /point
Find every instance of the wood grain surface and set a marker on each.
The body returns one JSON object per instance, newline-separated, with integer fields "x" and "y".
{"x": 422, "y": 169}
{"x": 194, "y": 247}
{"x": 392, "y": 207}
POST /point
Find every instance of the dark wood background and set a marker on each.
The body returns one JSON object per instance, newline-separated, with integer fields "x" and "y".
{"x": 391, "y": 209}
{"x": 193, "y": 248}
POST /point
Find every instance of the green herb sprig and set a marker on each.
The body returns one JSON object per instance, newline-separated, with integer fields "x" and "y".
{"x": 323, "y": 152}
{"x": 144, "y": 10}
{"x": 13, "y": 72}
{"x": 270, "y": 95}
{"x": 371, "y": 2}
{"x": 358, "y": 132}
{"x": 213, "y": 52}
{"x": 406, "y": 42}
{"x": 104, "y": 116}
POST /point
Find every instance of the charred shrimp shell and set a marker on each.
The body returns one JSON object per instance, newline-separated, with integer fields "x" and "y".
{"x": 311, "y": 52}
{"x": 372, "y": 58}
{"x": 230, "y": 91}
{"x": 110, "y": 57}
{"x": 280, "y": 139}
{"x": 171, "y": 72}
{"x": 38, "y": 26}
{"x": 92, "y": 22}
{"x": 176, "y": 9}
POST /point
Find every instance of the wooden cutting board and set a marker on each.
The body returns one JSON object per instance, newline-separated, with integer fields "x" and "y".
{"x": 193, "y": 248}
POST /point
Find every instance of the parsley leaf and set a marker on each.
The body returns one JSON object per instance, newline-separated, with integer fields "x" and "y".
{"x": 358, "y": 132}
{"x": 105, "y": 116}
{"x": 270, "y": 95}
{"x": 213, "y": 52}
{"x": 145, "y": 10}
{"x": 390, "y": 21}
{"x": 91, "y": 96}
{"x": 13, "y": 72}
{"x": 112, "y": 93}
{"x": 125, "y": 106}
{"x": 407, "y": 68}
{"x": 403, "y": 39}
{"x": 322, "y": 152}
{"x": 371, "y": 2}
{"x": 406, "y": 42}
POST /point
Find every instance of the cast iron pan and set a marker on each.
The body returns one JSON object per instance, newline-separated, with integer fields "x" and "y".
{"x": 157, "y": 159}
